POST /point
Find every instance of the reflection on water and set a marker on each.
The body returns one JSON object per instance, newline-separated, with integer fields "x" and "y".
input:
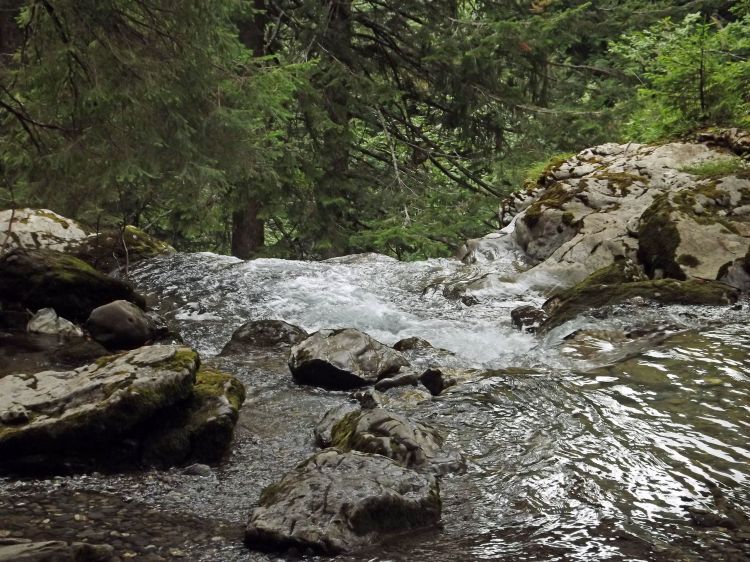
{"x": 609, "y": 450}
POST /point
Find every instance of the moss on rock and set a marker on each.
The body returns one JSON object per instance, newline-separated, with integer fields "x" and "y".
{"x": 114, "y": 248}
{"x": 44, "y": 278}
{"x": 591, "y": 293}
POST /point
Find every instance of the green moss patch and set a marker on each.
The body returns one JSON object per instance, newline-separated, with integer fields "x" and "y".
{"x": 715, "y": 169}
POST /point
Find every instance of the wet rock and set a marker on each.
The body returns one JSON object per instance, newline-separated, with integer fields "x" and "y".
{"x": 199, "y": 428}
{"x": 402, "y": 379}
{"x": 409, "y": 344}
{"x": 527, "y": 318}
{"x": 78, "y": 413}
{"x": 119, "y": 325}
{"x": 118, "y": 248}
{"x": 596, "y": 292}
{"x": 411, "y": 444}
{"x": 324, "y": 427}
{"x": 55, "y": 551}
{"x": 198, "y": 469}
{"x": 46, "y": 279}
{"x": 439, "y": 379}
{"x": 343, "y": 359}
{"x": 46, "y": 321}
{"x": 263, "y": 333}
{"x": 337, "y": 502}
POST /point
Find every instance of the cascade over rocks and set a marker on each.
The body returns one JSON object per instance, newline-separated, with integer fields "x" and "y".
{"x": 681, "y": 210}
{"x": 367, "y": 499}
{"x": 343, "y": 359}
{"x": 144, "y": 406}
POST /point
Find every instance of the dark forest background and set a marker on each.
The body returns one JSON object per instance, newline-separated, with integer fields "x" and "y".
{"x": 313, "y": 128}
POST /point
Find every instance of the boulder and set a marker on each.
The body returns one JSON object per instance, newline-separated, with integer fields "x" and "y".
{"x": 336, "y": 502}
{"x": 119, "y": 325}
{"x": 680, "y": 210}
{"x": 38, "y": 229}
{"x": 198, "y": 429}
{"x": 78, "y": 414}
{"x": 46, "y": 321}
{"x": 263, "y": 333}
{"x": 42, "y": 229}
{"x": 47, "y": 279}
{"x": 116, "y": 248}
{"x": 411, "y": 444}
{"x": 343, "y": 359}
{"x": 439, "y": 379}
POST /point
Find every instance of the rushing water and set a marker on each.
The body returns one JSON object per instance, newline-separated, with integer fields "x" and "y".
{"x": 591, "y": 448}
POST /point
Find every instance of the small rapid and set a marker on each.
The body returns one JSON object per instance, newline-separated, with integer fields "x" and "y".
{"x": 577, "y": 449}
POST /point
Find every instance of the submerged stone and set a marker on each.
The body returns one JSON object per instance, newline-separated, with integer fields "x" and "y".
{"x": 263, "y": 333}
{"x": 590, "y": 294}
{"x": 343, "y": 359}
{"x": 337, "y": 502}
{"x": 411, "y": 444}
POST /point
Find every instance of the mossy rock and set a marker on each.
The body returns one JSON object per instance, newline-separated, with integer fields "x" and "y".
{"x": 43, "y": 278}
{"x": 198, "y": 429}
{"x": 114, "y": 248}
{"x": 87, "y": 417}
{"x": 593, "y": 293}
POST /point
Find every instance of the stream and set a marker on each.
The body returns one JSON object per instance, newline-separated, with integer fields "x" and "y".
{"x": 586, "y": 449}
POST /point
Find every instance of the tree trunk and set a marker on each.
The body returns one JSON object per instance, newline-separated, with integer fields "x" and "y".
{"x": 248, "y": 229}
{"x": 336, "y": 141}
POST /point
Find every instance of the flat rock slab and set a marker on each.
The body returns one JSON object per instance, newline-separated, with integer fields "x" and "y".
{"x": 336, "y": 502}
{"x": 343, "y": 359}
{"x": 61, "y": 412}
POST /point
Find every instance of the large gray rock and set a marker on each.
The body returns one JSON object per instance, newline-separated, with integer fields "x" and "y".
{"x": 42, "y": 229}
{"x": 343, "y": 359}
{"x": 55, "y": 415}
{"x": 38, "y": 229}
{"x": 119, "y": 325}
{"x": 336, "y": 502}
{"x": 661, "y": 206}
{"x": 263, "y": 333}
{"x": 378, "y": 431}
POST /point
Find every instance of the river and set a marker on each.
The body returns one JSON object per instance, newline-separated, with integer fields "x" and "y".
{"x": 591, "y": 448}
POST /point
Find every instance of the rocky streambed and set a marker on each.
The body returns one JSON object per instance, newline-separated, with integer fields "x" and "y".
{"x": 534, "y": 401}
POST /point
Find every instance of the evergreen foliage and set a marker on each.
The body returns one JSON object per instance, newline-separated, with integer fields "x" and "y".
{"x": 312, "y": 128}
